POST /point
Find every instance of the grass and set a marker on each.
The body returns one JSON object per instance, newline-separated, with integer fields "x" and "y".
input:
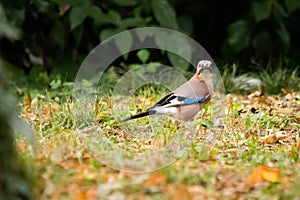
{"x": 271, "y": 79}
{"x": 67, "y": 165}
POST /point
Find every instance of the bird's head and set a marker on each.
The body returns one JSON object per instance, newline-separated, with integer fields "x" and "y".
{"x": 204, "y": 65}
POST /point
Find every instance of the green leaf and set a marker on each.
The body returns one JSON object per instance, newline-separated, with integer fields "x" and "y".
{"x": 186, "y": 23}
{"x": 124, "y": 42}
{"x": 114, "y": 17}
{"x": 178, "y": 62}
{"x": 181, "y": 52}
{"x": 292, "y": 5}
{"x": 280, "y": 11}
{"x": 93, "y": 11}
{"x": 7, "y": 29}
{"x": 164, "y": 14}
{"x": 77, "y": 33}
{"x": 55, "y": 84}
{"x": 16, "y": 17}
{"x": 161, "y": 39}
{"x": 125, "y": 2}
{"x": 58, "y": 34}
{"x": 143, "y": 55}
{"x": 71, "y": 2}
{"x": 260, "y": 10}
{"x": 238, "y": 35}
{"x": 77, "y": 16}
{"x": 152, "y": 67}
{"x": 42, "y": 5}
{"x": 131, "y": 22}
{"x": 142, "y": 35}
{"x": 284, "y": 36}
{"x": 261, "y": 42}
{"x": 107, "y": 33}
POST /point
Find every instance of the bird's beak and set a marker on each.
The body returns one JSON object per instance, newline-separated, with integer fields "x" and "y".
{"x": 200, "y": 71}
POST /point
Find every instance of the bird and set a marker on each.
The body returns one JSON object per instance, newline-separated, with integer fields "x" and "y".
{"x": 188, "y": 99}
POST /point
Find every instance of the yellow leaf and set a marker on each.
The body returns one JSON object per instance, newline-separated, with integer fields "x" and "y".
{"x": 271, "y": 174}
{"x": 264, "y": 173}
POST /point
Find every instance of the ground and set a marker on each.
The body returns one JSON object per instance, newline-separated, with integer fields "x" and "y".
{"x": 255, "y": 157}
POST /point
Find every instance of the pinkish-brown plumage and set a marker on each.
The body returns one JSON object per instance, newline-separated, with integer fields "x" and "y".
{"x": 188, "y": 99}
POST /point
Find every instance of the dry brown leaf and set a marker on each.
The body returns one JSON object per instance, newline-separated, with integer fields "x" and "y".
{"x": 255, "y": 94}
{"x": 85, "y": 173}
{"x": 264, "y": 173}
{"x": 285, "y": 183}
{"x": 90, "y": 194}
{"x": 28, "y": 100}
{"x": 80, "y": 196}
{"x": 156, "y": 179}
{"x": 30, "y": 116}
{"x": 56, "y": 194}
{"x": 298, "y": 146}
{"x": 296, "y": 118}
{"x": 34, "y": 104}
{"x": 182, "y": 193}
{"x": 232, "y": 150}
{"x": 273, "y": 138}
{"x": 286, "y": 91}
{"x": 198, "y": 191}
{"x": 69, "y": 163}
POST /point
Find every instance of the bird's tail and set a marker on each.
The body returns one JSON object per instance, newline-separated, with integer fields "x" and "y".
{"x": 139, "y": 115}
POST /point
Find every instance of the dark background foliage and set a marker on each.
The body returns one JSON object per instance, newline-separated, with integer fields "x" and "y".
{"x": 56, "y": 35}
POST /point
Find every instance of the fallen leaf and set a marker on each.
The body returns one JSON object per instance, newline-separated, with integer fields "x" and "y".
{"x": 273, "y": 138}
{"x": 264, "y": 173}
{"x": 298, "y": 146}
{"x": 271, "y": 174}
{"x": 34, "y": 104}
{"x": 296, "y": 118}
{"x": 108, "y": 188}
{"x": 232, "y": 150}
{"x": 255, "y": 94}
{"x": 286, "y": 91}
{"x": 182, "y": 193}
{"x": 80, "y": 196}
{"x": 156, "y": 179}
{"x": 90, "y": 194}
{"x": 256, "y": 176}
{"x": 27, "y": 100}
{"x": 85, "y": 173}
{"x": 285, "y": 183}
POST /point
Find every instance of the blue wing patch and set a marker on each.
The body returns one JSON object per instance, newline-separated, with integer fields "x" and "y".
{"x": 189, "y": 101}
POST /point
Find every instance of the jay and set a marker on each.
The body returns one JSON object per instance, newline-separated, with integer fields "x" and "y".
{"x": 187, "y": 100}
